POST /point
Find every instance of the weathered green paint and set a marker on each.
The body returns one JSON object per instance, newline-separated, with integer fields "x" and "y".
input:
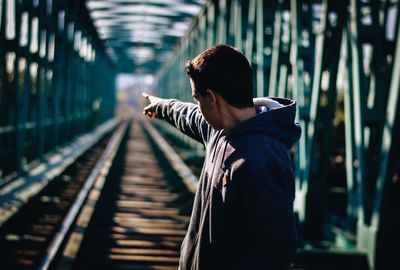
{"x": 48, "y": 97}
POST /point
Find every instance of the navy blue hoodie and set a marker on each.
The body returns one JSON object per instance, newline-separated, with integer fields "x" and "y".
{"x": 242, "y": 216}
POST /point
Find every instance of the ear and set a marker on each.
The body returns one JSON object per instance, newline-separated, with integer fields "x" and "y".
{"x": 211, "y": 97}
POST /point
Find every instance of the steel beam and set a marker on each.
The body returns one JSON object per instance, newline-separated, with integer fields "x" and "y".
{"x": 41, "y": 108}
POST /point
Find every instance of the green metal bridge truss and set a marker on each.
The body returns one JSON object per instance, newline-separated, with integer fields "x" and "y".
{"x": 56, "y": 80}
{"x": 339, "y": 59}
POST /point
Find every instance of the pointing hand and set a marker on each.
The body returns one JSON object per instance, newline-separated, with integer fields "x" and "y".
{"x": 150, "y": 110}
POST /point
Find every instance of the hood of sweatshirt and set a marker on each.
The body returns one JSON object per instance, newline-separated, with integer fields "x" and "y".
{"x": 275, "y": 117}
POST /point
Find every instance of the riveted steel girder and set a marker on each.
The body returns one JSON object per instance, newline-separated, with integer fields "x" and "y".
{"x": 56, "y": 80}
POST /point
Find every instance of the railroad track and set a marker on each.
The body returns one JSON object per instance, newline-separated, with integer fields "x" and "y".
{"x": 138, "y": 220}
{"x": 121, "y": 206}
{"x": 25, "y": 238}
{"x": 124, "y": 204}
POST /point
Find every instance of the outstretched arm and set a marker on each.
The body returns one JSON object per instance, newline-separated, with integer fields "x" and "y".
{"x": 183, "y": 115}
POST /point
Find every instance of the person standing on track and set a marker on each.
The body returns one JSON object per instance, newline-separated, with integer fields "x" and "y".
{"x": 242, "y": 216}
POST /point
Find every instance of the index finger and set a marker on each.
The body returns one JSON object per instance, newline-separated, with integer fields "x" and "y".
{"x": 145, "y": 95}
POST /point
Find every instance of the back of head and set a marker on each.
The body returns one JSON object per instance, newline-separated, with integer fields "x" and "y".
{"x": 225, "y": 70}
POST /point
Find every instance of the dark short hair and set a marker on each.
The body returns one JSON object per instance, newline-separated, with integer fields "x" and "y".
{"x": 225, "y": 70}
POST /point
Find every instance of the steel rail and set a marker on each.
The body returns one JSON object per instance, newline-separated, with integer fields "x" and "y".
{"x": 68, "y": 221}
{"x": 187, "y": 176}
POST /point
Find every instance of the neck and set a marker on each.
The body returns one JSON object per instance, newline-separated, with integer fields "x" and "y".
{"x": 233, "y": 116}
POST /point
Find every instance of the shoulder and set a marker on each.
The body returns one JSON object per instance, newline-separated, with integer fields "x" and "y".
{"x": 258, "y": 149}
{"x": 249, "y": 165}
{"x": 258, "y": 155}
{"x": 258, "y": 170}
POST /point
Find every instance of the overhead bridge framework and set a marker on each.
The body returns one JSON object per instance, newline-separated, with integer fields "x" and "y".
{"x": 339, "y": 59}
{"x": 56, "y": 80}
